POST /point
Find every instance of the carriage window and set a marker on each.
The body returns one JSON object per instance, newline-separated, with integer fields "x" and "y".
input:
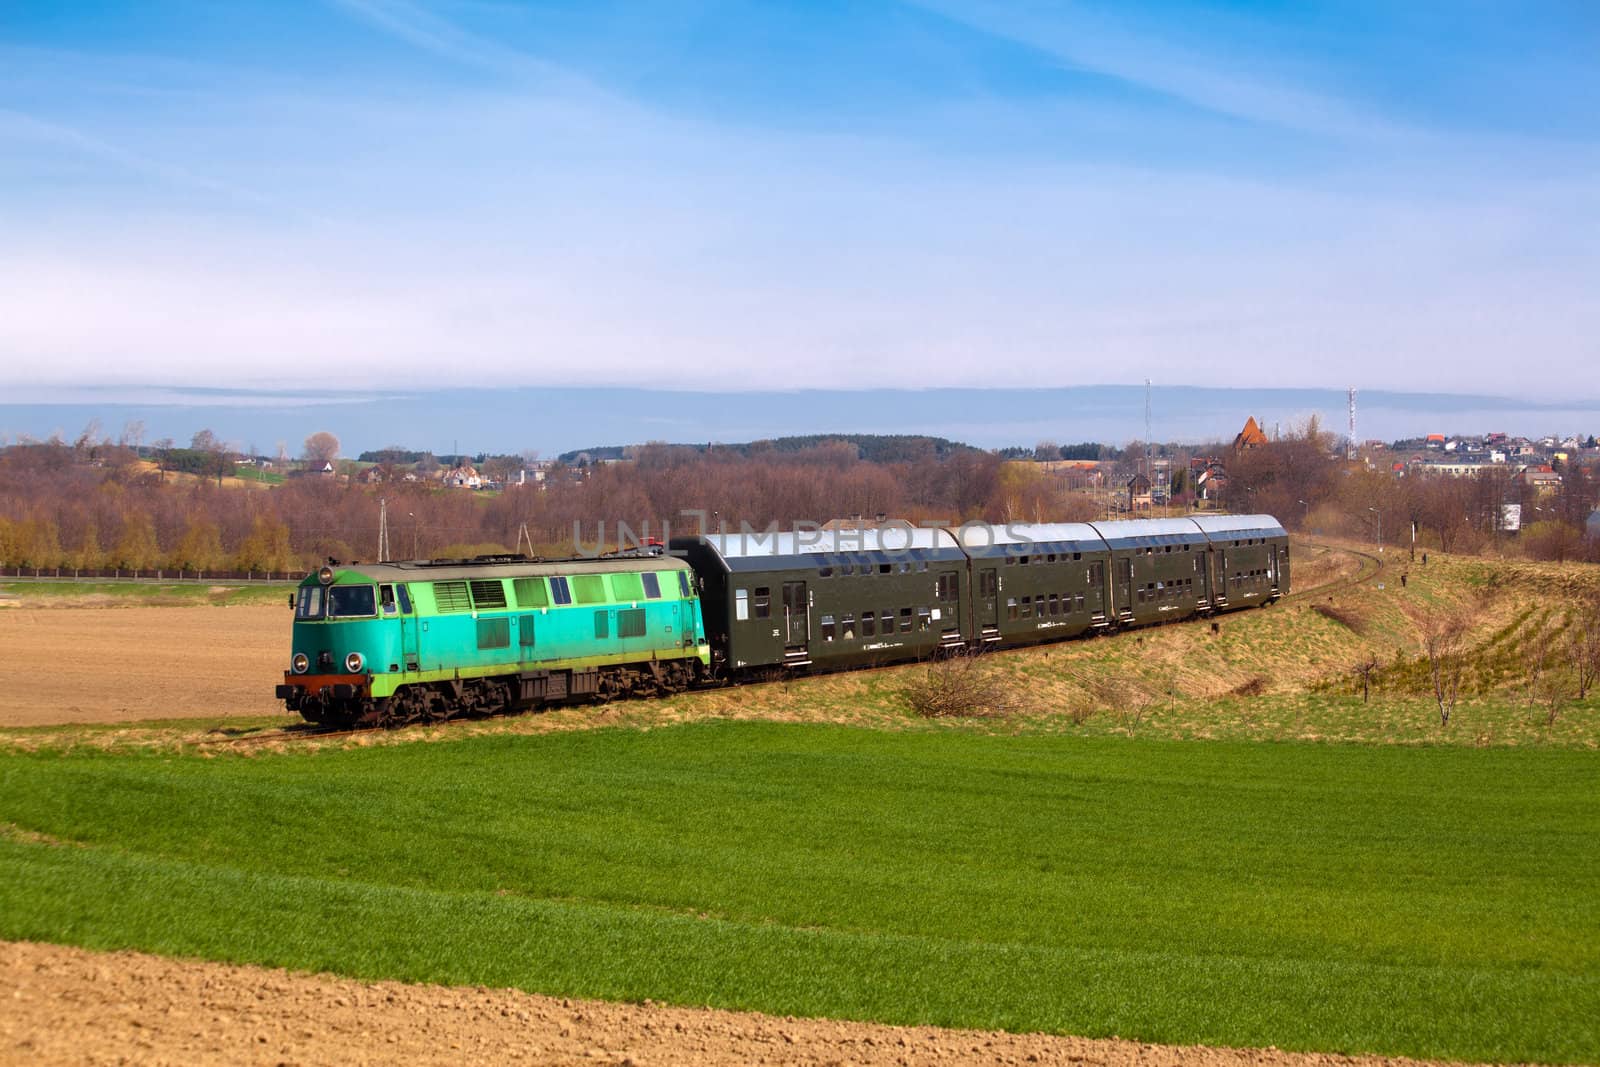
{"x": 1055, "y": 604}
{"x": 652, "y": 585}
{"x": 352, "y": 601}
{"x": 885, "y": 568}
{"x": 924, "y": 619}
{"x": 559, "y": 591}
{"x": 310, "y": 606}
{"x": 1011, "y": 607}
{"x": 847, "y": 627}
{"x": 1027, "y": 607}
{"x": 946, "y": 589}
{"x": 988, "y": 583}
{"x": 869, "y": 624}
{"x": 741, "y": 605}
{"x": 494, "y": 633}
{"x": 525, "y": 631}
{"x": 386, "y": 599}
{"x": 763, "y": 602}
{"x": 827, "y": 627}
{"x": 824, "y": 572}
{"x": 905, "y": 620}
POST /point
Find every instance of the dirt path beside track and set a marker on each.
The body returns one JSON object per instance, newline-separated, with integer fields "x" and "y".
{"x": 68, "y": 1006}
{"x": 119, "y": 664}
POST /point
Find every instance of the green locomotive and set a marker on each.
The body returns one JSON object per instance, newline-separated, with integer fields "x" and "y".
{"x": 386, "y": 644}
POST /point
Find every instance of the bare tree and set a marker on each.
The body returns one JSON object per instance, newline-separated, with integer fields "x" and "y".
{"x": 1444, "y": 634}
{"x": 322, "y": 448}
{"x": 1584, "y": 644}
{"x": 1364, "y": 671}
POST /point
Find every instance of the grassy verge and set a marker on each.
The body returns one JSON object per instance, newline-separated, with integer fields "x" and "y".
{"x": 1429, "y": 901}
{"x": 154, "y": 594}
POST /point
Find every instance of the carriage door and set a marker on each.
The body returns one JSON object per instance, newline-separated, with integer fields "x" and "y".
{"x": 1272, "y": 567}
{"x": 1220, "y": 582}
{"x": 1125, "y": 587}
{"x": 986, "y": 608}
{"x": 796, "y": 615}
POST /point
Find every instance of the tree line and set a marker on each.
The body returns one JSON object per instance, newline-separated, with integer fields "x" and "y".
{"x": 91, "y": 505}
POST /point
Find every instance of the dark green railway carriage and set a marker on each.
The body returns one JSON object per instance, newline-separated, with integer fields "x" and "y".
{"x": 399, "y": 642}
{"x": 1248, "y": 559}
{"x": 1034, "y": 581}
{"x": 829, "y": 598}
{"x": 1158, "y": 569}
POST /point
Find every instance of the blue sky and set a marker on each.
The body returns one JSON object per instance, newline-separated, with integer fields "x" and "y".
{"x": 362, "y": 193}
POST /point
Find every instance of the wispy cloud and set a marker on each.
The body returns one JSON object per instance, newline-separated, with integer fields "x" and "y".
{"x": 1218, "y": 84}
{"x": 431, "y": 32}
{"x": 22, "y": 127}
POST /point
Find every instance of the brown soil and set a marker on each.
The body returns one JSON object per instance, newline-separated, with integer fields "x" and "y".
{"x": 66, "y": 1005}
{"x": 118, "y": 664}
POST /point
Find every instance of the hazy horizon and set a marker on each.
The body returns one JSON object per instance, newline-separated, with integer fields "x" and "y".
{"x": 552, "y": 421}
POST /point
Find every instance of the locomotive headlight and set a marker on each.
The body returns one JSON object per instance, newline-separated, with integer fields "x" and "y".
{"x": 325, "y": 575}
{"x": 301, "y": 663}
{"x": 353, "y": 663}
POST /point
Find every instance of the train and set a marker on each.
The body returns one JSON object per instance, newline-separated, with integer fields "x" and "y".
{"x": 394, "y": 643}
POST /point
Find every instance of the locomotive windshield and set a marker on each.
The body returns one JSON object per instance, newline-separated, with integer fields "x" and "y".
{"x": 309, "y": 605}
{"x": 345, "y": 601}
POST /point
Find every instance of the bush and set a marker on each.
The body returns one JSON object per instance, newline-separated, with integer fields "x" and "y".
{"x": 959, "y": 686}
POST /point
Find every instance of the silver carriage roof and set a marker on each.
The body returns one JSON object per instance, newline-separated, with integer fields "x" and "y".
{"x": 1233, "y": 527}
{"x": 753, "y": 549}
{"x": 1024, "y": 538}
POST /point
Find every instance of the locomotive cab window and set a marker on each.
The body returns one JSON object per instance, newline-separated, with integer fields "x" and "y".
{"x": 652, "y": 585}
{"x": 386, "y": 599}
{"x": 352, "y": 601}
{"x": 310, "y": 605}
{"x": 405, "y": 599}
{"x": 683, "y": 584}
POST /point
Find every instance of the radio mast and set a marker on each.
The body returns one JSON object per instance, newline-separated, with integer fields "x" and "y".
{"x": 1350, "y": 448}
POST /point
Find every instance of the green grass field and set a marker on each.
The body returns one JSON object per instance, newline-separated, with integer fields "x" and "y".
{"x": 1421, "y": 900}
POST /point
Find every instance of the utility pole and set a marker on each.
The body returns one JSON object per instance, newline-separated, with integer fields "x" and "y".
{"x": 383, "y": 530}
{"x": 1350, "y": 448}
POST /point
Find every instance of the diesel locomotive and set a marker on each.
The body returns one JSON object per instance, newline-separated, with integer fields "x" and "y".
{"x": 394, "y": 643}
